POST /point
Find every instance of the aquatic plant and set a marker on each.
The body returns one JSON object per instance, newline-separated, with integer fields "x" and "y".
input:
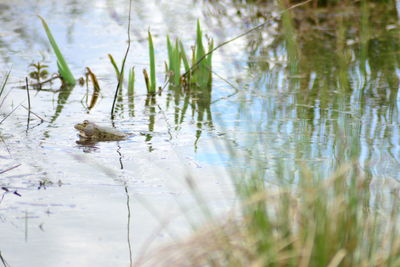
{"x": 96, "y": 88}
{"x": 131, "y": 81}
{"x": 184, "y": 59}
{"x": 151, "y": 82}
{"x": 39, "y": 71}
{"x": 200, "y": 72}
{"x": 174, "y": 62}
{"x": 61, "y": 63}
{"x": 202, "y": 61}
{"x": 119, "y": 74}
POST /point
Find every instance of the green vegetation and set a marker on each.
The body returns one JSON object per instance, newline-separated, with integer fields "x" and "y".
{"x": 39, "y": 72}
{"x": 118, "y": 73}
{"x": 131, "y": 81}
{"x": 61, "y": 63}
{"x": 200, "y": 72}
{"x": 174, "y": 62}
{"x": 151, "y": 83}
{"x": 201, "y": 68}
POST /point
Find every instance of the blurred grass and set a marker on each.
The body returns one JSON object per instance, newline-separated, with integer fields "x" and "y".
{"x": 331, "y": 222}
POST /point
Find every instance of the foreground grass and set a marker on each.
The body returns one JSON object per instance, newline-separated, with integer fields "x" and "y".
{"x": 332, "y": 222}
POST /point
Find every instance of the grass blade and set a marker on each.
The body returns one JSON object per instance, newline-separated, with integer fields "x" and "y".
{"x": 131, "y": 81}
{"x": 184, "y": 57}
{"x": 147, "y": 80}
{"x": 114, "y": 65}
{"x": 5, "y": 82}
{"x": 177, "y": 63}
{"x": 61, "y": 63}
{"x": 152, "y": 88}
{"x": 170, "y": 54}
{"x": 199, "y": 43}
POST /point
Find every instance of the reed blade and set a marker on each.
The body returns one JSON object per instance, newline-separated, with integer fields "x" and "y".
{"x": 152, "y": 87}
{"x": 116, "y": 69}
{"x": 63, "y": 68}
{"x": 170, "y": 54}
{"x": 146, "y": 80}
{"x": 5, "y": 82}
{"x": 184, "y": 57}
{"x": 131, "y": 81}
{"x": 177, "y": 58}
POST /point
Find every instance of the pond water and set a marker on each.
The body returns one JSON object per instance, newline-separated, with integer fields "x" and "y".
{"x": 324, "y": 98}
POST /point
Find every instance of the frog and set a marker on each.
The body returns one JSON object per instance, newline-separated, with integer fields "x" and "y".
{"x": 90, "y": 131}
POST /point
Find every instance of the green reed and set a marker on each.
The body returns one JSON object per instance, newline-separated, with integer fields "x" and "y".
{"x": 174, "y": 62}
{"x": 131, "y": 81}
{"x": 119, "y": 73}
{"x": 200, "y": 72}
{"x": 151, "y": 82}
{"x": 61, "y": 63}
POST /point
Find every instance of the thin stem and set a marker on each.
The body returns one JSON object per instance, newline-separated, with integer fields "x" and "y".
{"x": 123, "y": 61}
{"x": 9, "y": 169}
{"x": 29, "y": 104}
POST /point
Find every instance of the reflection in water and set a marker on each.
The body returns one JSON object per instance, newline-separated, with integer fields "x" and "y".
{"x": 330, "y": 95}
{"x": 128, "y": 232}
{"x": 150, "y": 105}
{"x": 199, "y": 100}
{"x": 121, "y": 164}
{"x": 131, "y": 105}
{"x": 65, "y": 92}
{"x": 96, "y": 89}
